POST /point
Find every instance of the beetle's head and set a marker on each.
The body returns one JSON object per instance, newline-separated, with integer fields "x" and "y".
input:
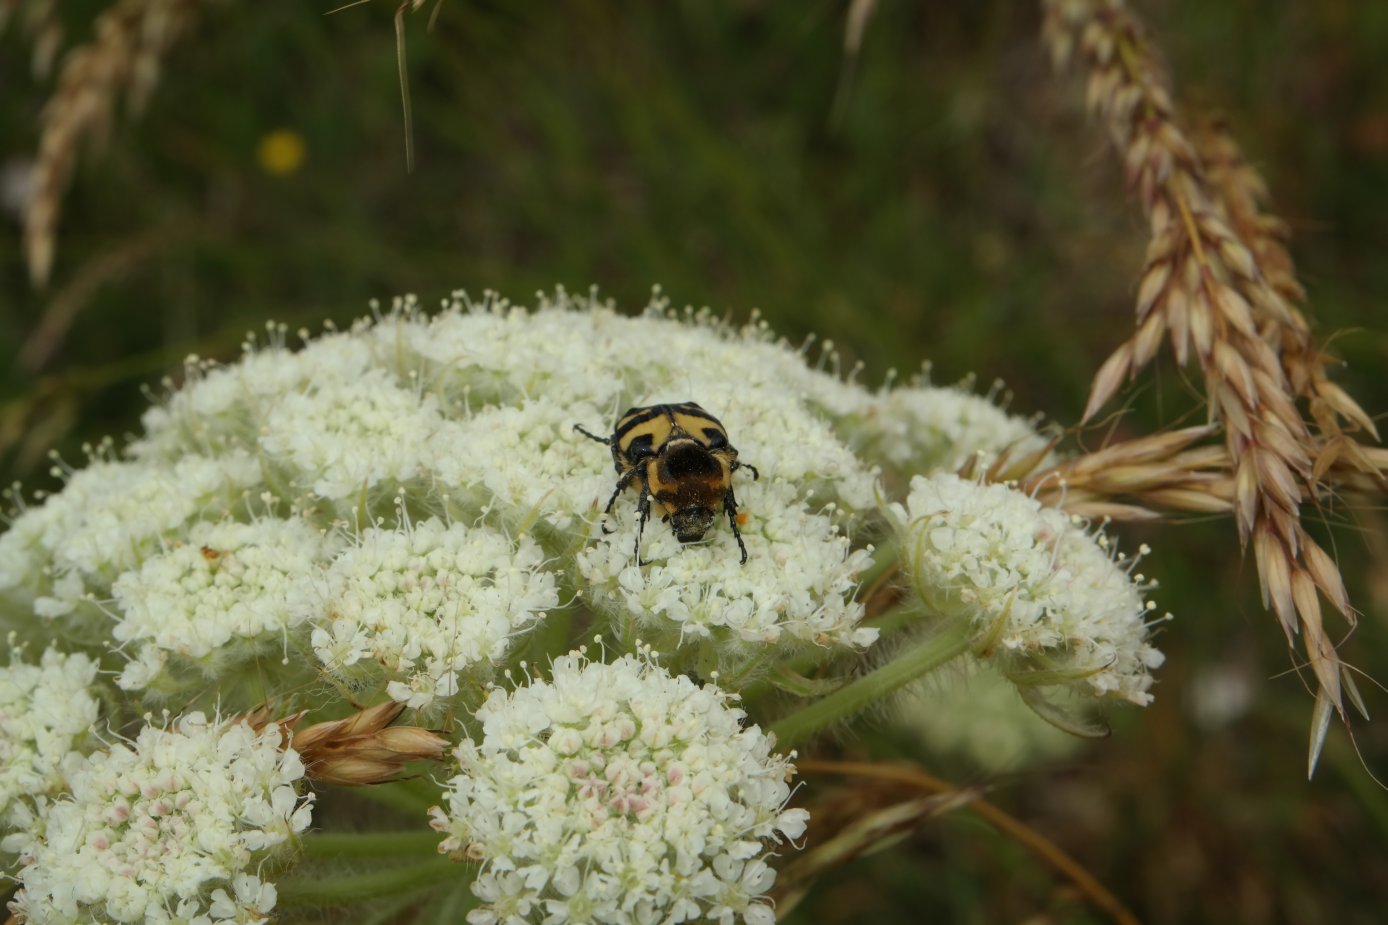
{"x": 691, "y": 523}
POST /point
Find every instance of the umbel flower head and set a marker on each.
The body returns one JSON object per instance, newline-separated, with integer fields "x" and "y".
{"x": 173, "y": 826}
{"x": 400, "y": 513}
{"x": 618, "y": 793}
{"x": 47, "y": 714}
{"x": 1048, "y": 603}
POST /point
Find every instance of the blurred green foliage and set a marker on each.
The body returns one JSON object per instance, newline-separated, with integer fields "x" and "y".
{"x": 941, "y": 197}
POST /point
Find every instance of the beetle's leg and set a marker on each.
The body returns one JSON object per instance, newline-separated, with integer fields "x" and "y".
{"x": 742, "y": 465}
{"x": 730, "y": 505}
{"x": 622, "y": 484}
{"x": 644, "y": 506}
{"x": 592, "y": 436}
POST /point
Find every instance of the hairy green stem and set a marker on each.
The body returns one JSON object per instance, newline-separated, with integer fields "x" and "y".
{"x": 407, "y": 800}
{"x": 945, "y": 644}
{"x": 371, "y": 844}
{"x": 360, "y": 887}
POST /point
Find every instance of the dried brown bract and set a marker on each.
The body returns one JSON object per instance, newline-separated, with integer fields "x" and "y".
{"x": 123, "y": 59}
{"x": 364, "y": 748}
{"x": 1219, "y": 284}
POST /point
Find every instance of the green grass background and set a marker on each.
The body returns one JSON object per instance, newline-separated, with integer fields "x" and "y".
{"x": 944, "y": 199}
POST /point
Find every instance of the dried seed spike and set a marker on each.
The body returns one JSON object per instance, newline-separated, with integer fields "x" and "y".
{"x": 129, "y": 38}
{"x": 1242, "y": 319}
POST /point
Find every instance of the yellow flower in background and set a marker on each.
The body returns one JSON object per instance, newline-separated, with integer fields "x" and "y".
{"x": 281, "y": 152}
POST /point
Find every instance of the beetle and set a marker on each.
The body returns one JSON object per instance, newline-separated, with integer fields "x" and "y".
{"x": 679, "y": 457}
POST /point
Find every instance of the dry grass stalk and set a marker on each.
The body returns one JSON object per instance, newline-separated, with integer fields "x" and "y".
{"x": 1218, "y": 283}
{"x": 130, "y": 41}
{"x": 864, "y": 829}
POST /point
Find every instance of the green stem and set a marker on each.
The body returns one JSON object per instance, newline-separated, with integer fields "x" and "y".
{"x": 885, "y": 557}
{"x": 359, "y": 887}
{"x": 396, "y": 795}
{"x": 371, "y": 844}
{"x": 806, "y": 662}
{"x": 948, "y": 642}
{"x": 911, "y": 612}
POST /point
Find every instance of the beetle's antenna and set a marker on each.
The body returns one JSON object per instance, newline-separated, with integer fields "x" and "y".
{"x": 592, "y": 436}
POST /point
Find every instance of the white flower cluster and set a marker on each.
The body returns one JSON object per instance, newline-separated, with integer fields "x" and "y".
{"x": 617, "y": 793}
{"x": 46, "y": 712}
{"x": 110, "y": 516}
{"x": 1045, "y": 597}
{"x": 170, "y": 828}
{"x": 555, "y": 368}
{"x": 228, "y": 591}
{"x": 922, "y": 429}
{"x": 422, "y": 604}
{"x": 797, "y": 582}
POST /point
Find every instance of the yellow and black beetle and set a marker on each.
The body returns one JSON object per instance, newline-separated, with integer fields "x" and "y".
{"x": 680, "y": 457}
